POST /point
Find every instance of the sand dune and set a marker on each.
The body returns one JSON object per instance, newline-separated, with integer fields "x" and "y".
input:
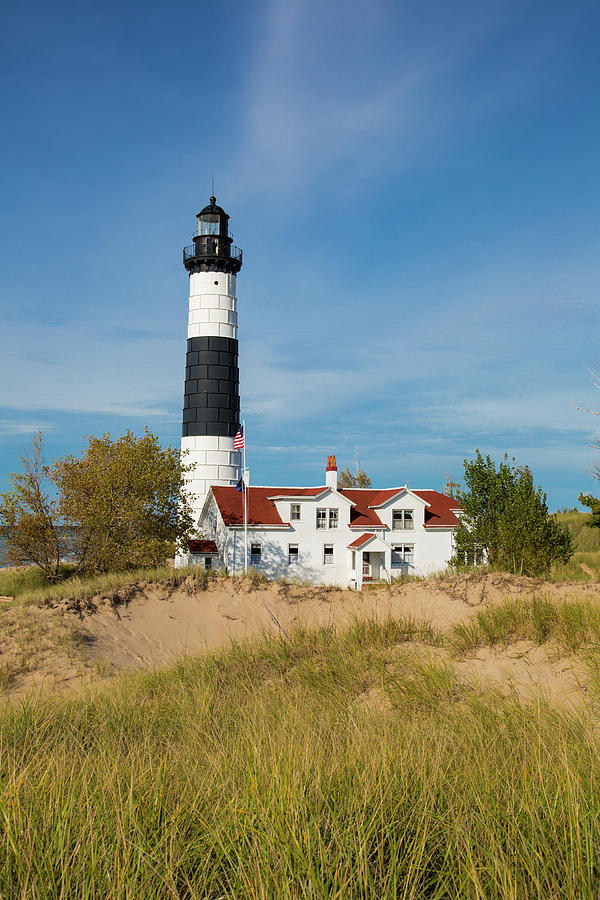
{"x": 150, "y": 624}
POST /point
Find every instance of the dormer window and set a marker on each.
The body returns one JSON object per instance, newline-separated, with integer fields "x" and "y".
{"x": 403, "y": 520}
{"x": 327, "y": 518}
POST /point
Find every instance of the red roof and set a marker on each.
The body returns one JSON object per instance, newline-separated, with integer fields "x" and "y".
{"x": 355, "y": 545}
{"x": 198, "y": 546}
{"x": 439, "y": 512}
{"x": 361, "y": 514}
{"x": 263, "y": 511}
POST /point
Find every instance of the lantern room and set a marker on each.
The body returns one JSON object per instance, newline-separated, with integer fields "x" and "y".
{"x": 212, "y": 249}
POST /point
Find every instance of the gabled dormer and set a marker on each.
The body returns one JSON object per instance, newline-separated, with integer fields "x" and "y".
{"x": 402, "y": 510}
{"x": 322, "y": 508}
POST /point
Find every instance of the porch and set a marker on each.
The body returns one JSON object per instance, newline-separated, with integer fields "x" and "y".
{"x": 370, "y": 559}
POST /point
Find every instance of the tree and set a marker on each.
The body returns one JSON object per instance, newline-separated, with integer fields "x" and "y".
{"x": 125, "y": 501}
{"x": 119, "y": 505}
{"x": 349, "y": 479}
{"x": 29, "y": 517}
{"x": 594, "y": 505}
{"x": 505, "y": 519}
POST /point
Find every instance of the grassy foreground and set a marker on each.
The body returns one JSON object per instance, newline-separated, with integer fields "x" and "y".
{"x": 335, "y": 764}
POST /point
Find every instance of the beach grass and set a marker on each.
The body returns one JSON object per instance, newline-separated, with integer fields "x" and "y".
{"x": 586, "y": 539}
{"x": 28, "y": 585}
{"x": 335, "y": 764}
{"x": 18, "y": 581}
{"x": 571, "y": 624}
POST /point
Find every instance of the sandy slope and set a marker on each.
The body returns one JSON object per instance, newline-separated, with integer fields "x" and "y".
{"x": 159, "y": 625}
{"x": 152, "y": 624}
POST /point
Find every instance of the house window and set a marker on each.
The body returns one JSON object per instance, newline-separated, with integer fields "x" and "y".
{"x": 327, "y": 554}
{"x": 255, "y": 554}
{"x": 403, "y": 555}
{"x": 403, "y": 520}
{"x": 292, "y": 554}
{"x": 208, "y": 563}
{"x": 294, "y": 512}
{"x": 327, "y": 518}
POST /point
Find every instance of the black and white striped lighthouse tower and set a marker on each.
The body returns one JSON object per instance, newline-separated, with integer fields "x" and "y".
{"x": 211, "y": 408}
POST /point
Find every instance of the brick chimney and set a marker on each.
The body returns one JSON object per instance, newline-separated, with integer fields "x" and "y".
{"x": 331, "y": 473}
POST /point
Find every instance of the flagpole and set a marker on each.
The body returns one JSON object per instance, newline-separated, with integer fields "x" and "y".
{"x": 245, "y": 501}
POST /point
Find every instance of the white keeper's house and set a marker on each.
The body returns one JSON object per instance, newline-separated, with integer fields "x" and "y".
{"x": 327, "y": 535}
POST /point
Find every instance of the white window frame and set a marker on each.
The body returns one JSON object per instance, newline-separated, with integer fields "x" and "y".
{"x": 321, "y": 518}
{"x": 293, "y": 558}
{"x": 328, "y": 558}
{"x": 333, "y": 519}
{"x": 404, "y": 550}
{"x": 295, "y": 508}
{"x": 402, "y": 523}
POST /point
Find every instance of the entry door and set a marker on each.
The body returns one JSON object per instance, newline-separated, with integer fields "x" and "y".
{"x": 366, "y": 566}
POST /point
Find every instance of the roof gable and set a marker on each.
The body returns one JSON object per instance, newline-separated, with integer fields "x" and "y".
{"x": 370, "y": 540}
{"x": 316, "y": 493}
{"x": 390, "y": 496}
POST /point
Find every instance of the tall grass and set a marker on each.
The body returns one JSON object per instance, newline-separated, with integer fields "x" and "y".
{"x": 29, "y": 585}
{"x": 586, "y": 539}
{"x": 572, "y": 624}
{"x": 257, "y": 772}
{"x": 585, "y": 562}
{"x": 15, "y": 582}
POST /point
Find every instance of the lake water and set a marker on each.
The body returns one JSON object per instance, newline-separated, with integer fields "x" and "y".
{"x": 3, "y": 560}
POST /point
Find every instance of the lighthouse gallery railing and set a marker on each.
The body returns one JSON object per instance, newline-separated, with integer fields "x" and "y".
{"x": 190, "y": 252}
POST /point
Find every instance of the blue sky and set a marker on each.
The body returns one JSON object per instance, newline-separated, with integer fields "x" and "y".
{"x": 415, "y": 188}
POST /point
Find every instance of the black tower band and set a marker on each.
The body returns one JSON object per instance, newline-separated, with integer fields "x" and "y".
{"x": 212, "y": 402}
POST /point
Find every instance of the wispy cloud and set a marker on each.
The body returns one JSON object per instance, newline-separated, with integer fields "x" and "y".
{"x": 86, "y": 371}
{"x": 12, "y": 427}
{"x": 368, "y": 89}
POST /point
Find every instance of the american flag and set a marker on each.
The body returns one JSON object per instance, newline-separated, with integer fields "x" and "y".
{"x": 238, "y": 441}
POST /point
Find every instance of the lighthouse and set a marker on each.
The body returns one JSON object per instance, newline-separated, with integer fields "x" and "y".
{"x": 211, "y": 407}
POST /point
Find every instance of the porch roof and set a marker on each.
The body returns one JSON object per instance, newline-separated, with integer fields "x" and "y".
{"x": 366, "y": 539}
{"x": 202, "y": 546}
{"x": 363, "y": 539}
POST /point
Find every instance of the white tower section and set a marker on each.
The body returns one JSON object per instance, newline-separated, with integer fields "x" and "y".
{"x": 211, "y": 400}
